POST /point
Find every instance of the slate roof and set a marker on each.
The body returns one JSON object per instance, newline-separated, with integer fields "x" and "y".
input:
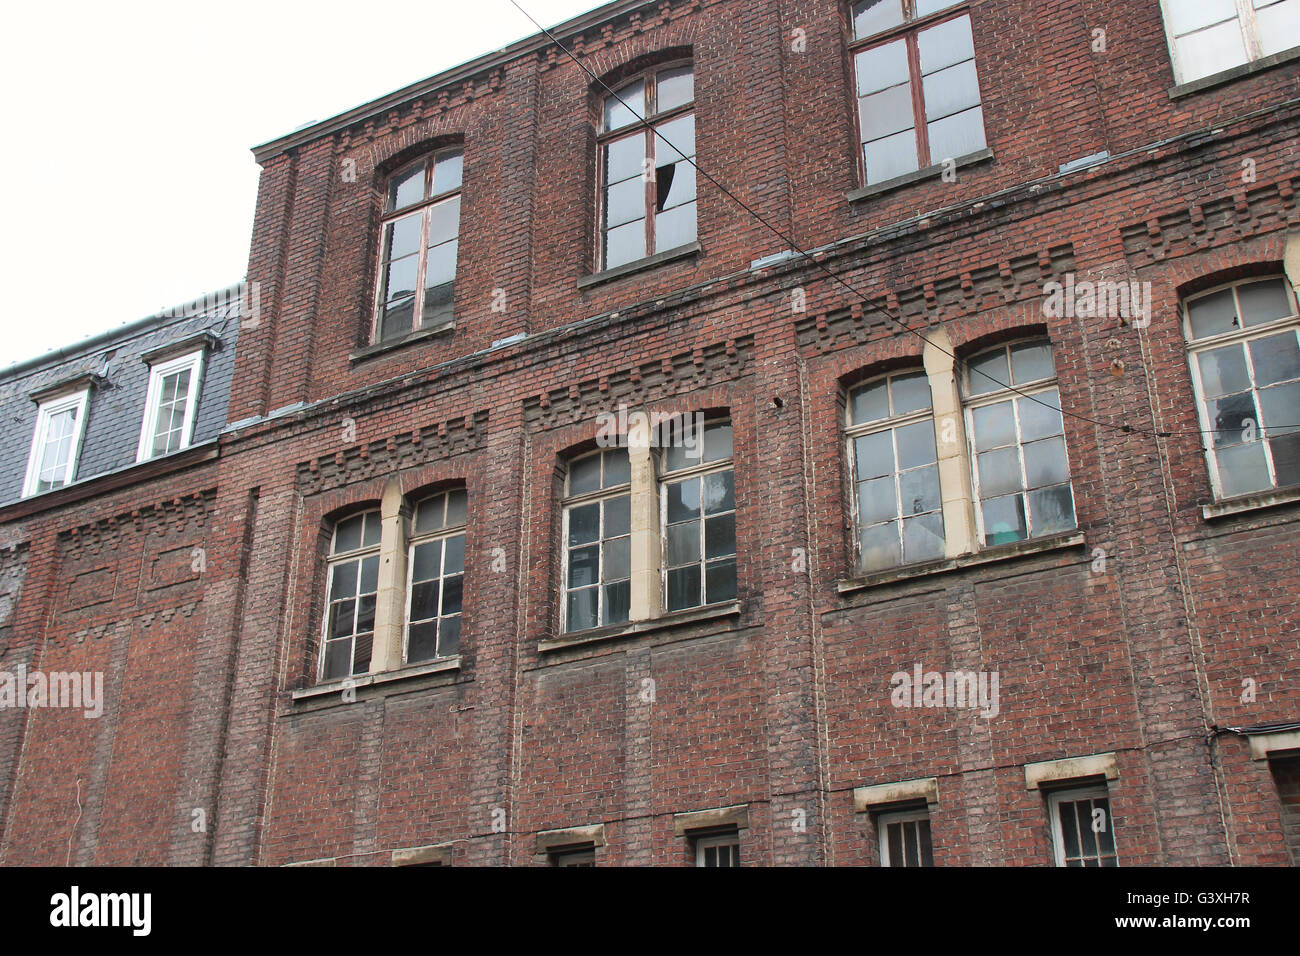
{"x": 117, "y": 397}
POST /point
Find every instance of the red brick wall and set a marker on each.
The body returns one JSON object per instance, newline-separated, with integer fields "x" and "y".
{"x": 784, "y": 707}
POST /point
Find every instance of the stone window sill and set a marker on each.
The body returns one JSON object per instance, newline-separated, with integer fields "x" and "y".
{"x": 1237, "y": 72}
{"x": 694, "y": 615}
{"x": 410, "y": 338}
{"x": 1002, "y": 552}
{"x": 641, "y": 265}
{"x": 907, "y": 179}
{"x": 336, "y": 687}
{"x": 1256, "y": 502}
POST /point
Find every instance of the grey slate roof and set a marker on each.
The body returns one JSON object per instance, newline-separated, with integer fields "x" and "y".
{"x": 117, "y": 400}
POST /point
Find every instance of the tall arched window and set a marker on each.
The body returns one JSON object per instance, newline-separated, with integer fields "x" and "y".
{"x": 421, "y": 233}
{"x": 1013, "y": 417}
{"x": 436, "y": 566}
{"x": 897, "y": 505}
{"x": 353, "y": 580}
{"x": 1245, "y": 360}
{"x": 647, "y": 200}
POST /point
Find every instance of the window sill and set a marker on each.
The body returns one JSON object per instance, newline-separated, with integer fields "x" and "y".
{"x": 1254, "y": 502}
{"x": 641, "y": 265}
{"x": 1236, "y": 73}
{"x": 1002, "y": 552}
{"x": 410, "y": 338}
{"x": 694, "y": 615}
{"x": 907, "y": 179}
{"x": 334, "y": 687}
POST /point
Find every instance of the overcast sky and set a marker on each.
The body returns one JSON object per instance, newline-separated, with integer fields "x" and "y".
{"x": 128, "y": 182}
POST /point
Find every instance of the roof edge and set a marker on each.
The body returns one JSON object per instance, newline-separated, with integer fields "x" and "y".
{"x": 272, "y": 148}
{"x": 189, "y": 309}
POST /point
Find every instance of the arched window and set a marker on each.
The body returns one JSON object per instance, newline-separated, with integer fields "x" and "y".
{"x": 421, "y": 233}
{"x": 897, "y": 505}
{"x": 436, "y": 566}
{"x": 353, "y": 580}
{"x": 647, "y": 200}
{"x": 597, "y": 540}
{"x": 1245, "y": 361}
{"x": 699, "y": 519}
{"x": 1020, "y": 470}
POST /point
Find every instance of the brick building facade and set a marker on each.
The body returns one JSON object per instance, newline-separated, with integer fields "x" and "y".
{"x": 660, "y": 655}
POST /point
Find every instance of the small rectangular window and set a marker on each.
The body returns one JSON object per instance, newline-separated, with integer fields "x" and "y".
{"x": 170, "y": 406}
{"x": 56, "y": 444}
{"x": 1081, "y": 827}
{"x": 721, "y": 850}
{"x": 905, "y": 838}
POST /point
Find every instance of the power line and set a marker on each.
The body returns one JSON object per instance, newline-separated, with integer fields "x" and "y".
{"x": 789, "y": 241}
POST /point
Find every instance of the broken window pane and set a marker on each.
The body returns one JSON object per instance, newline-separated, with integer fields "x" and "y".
{"x": 1213, "y": 314}
{"x": 675, "y": 185}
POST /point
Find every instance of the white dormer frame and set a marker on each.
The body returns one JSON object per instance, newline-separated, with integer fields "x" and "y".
{"x": 157, "y": 374}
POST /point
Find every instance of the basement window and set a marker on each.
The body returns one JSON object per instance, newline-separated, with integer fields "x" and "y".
{"x": 905, "y": 838}
{"x": 718, "y": 850}
{"x": 1082, "y": 834}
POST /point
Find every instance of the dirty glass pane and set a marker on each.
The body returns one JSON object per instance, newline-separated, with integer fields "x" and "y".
{"x": 444, "y": 220}
{"x": 885, "y": 113}
{"x": 406, "y": 188}
{"x": 873, "y": 16}
{"x": 1045, "y": 463}
{"x": 911, "y": 393}
{"x": 618, "y": 516}
{"x": 343, "y": 582}
{"x": 449, "y": 636}
{"x": 1229, "y": 417}
{"x": 448, "y": 172}
{"x": 684, "y": 587}
{"x": 618, "y": 602}
{"x": 456, "y": 505}
{"x": 421, "y": 641}
{"x": 1211, "y": 51}
{"x": 916, "y": 444}
{"x": 581, "y": 609}
{"x": 1040, "y": 415}
{"x": 683, "y": 543}
{"x": 684, "y": 500}
{"x": 870, "y": 403}
{"x": 944, "y": 45}
{"x": 987, "y": 372}
{"x": 426, "y": 562}
{"x": 1004, "y": 519}
{"x": 1212, "y": 314}
{"x": 625, "y": 244}
{"x": 618, "y": 115}
{"x": 877, "y": 500}
{"x": 1276, "y": 359}
{"x": 625, "y": 158}
{"x": 453, "y": 560}
{"x": 674, "y": 87}
{"x": 584, "y": 524}
{"x": 1242, "y": 469}
{"x": 347, "y": 536}
{"x": 1031, "y": 361}
{"x": 881, "y": 547}
{"x": 720, "y": 536}
{"x": 874, "y": 454}
{"x": 584, "y": 474}
{"x": 999, "y": 472}
{"x": 919, "y": 490}
{"x": 889, "y": 157}
{"x": 674, "y": 228}
{"x": 1264, "y": 301}
{"x": 719, "y": 492}
{"x": 1051, "y": 509}
{"x": 951, "y": 90}
{"x": 584, "y": 566}
{"x": 720, "y": 581}
{"x": 1279, "y": 25}
{"x": 923, "y": 537}
{"x": 625, "y": 201}
{"x": 618, "y": 559}
{"x": 956, "y": 135}
{"x": 1286, "y": 459}
{"x": 675, "y": 140}
{"x": 1223, "y": 371}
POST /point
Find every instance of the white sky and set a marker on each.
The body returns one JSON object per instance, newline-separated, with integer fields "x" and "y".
{"x": 128, "y": 185}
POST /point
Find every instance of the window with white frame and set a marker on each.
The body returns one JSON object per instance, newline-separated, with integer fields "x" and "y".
{"x": 698, "y": 513}
{"x": 719, "y": 850}
{"x": 1081, "y": 827}
{"x": 647, "y": 201}
{"x": 598, "y": 543}
{"x": 353, "y": 580}
{"x": 56, "y": 443}
{"x": 418, "y": 250}
{"x": 905, "y": 838}
{"x": 918, "y": 92}
{"x": 171, "y": 404}
{"x": 436, "y": 569}
{"x": 1020, "y": 470}
{"x": 1210, "y": 36}
{"x": 897, "y": 506}
{"x": 1245, "y": 360}
{"x": 574, "y": 856}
